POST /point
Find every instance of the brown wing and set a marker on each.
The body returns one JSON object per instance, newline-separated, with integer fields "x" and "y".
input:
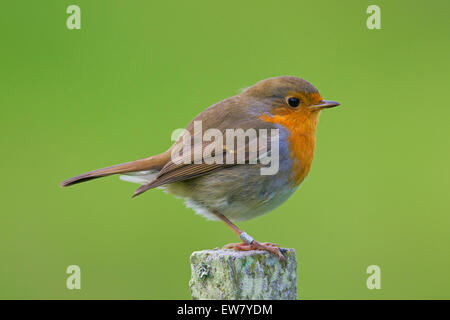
{"x": 179, "y": 169}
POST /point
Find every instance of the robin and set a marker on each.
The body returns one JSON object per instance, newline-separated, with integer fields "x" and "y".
{"x": 237, "y": 191}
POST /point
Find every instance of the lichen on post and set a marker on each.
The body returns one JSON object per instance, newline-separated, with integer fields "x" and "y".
{"x": 243, "y": 275}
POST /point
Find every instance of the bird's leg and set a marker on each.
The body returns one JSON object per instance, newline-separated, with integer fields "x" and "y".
{"x": 248, "y": 243}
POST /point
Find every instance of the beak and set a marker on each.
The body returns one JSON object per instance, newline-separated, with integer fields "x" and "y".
{"x": 324, "y": 104}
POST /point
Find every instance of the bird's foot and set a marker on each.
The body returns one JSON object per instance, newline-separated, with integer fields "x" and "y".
{"x": 255, "y": 245}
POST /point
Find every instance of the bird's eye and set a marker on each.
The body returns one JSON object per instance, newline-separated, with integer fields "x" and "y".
{"x": 293, "y": 102}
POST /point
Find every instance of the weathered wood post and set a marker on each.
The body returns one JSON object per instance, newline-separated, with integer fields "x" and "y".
{"x": 243, "y": 275}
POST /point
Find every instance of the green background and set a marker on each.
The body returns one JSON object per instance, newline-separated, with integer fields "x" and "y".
{"x": 76, "y": 100}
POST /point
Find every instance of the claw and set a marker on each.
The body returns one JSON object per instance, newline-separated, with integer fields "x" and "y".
{"x": 255, "y": 245}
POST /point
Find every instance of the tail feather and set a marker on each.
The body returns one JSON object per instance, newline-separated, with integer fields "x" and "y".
{"x": 140, "y": 177}
{"x": 151, "y": 163}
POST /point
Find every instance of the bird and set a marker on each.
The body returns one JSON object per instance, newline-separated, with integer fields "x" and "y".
{"x": 233, "y": 191}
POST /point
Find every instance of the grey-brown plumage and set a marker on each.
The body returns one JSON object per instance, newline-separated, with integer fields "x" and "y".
{"x": 237, "y": 191}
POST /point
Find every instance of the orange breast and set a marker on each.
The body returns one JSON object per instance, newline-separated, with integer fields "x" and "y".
{"x": 302, "y": 125}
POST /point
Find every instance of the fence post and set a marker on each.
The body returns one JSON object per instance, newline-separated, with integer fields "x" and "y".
{"x": 243, "y": 275}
